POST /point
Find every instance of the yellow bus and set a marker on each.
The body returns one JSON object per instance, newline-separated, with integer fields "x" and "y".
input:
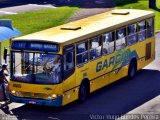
{"x": 59, "y": 65}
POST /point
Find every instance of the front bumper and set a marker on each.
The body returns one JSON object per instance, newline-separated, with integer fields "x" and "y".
{"x": 56, "y": 102}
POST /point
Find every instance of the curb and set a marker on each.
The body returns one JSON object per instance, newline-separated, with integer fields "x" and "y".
{"x": 150, "y": 108}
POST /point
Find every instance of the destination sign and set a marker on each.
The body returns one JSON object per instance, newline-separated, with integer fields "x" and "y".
{"x": 35, "y": 46}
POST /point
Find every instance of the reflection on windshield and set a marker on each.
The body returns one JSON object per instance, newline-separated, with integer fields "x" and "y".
{"x": 36, "y": 67}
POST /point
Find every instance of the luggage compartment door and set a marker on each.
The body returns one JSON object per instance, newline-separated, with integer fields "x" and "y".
{"x": 148, "y": 51}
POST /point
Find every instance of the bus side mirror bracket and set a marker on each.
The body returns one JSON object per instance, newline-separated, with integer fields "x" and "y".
{"x": 5, "y": 55}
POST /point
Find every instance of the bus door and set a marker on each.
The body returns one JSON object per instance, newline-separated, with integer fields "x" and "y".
{"x": 68, "y": 70}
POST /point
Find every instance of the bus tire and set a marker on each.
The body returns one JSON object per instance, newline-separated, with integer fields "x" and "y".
{"x": 83, "y": 91}
{"x": 132, "y": 69}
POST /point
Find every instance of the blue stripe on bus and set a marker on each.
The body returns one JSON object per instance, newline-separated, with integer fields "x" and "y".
{"x": 56, "y": 102}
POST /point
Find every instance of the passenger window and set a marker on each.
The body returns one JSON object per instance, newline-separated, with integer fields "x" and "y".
{"x": 150, "y": 27}
{"x": 82, "y": 52}
{"x": 68, "y": 60}
{"x": 120, "y": 38}
{"x": 95, "y": 48}
{"x": 108, "y": 43}
{"x": 132, "y": 35}
{"x": 141, "y": 30}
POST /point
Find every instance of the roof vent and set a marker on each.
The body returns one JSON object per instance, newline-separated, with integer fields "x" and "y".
{"x": 70, "y": 27}
{"x": 120, "y": 12}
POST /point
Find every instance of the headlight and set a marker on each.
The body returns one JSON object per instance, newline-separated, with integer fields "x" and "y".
{"x": 49, "y": 97}
{"x": 18, "y": 94}
{"x": 13, "y": 92}
{"x": 53, "y": 96}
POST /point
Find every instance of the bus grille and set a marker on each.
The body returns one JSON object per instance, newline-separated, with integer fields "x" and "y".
{"x": 40, "y": 95}
{"x": 34, "y": 95}
{"x": 27, "y": 94}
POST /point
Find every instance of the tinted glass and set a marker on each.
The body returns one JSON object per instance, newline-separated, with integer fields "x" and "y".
{"x": 108, "y": 43}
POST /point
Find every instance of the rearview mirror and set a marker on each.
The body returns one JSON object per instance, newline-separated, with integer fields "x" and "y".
{"x": 5, "y": 54}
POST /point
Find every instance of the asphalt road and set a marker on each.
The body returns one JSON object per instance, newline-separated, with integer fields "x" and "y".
{"x": 10, "y": 7}
{"x": 12, "y": 3}
{"x": 115, "y": 99}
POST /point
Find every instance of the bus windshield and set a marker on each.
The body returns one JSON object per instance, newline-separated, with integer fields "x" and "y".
{"x": 38, "y": 68}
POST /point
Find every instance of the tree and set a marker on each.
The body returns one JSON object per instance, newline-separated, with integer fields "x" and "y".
{"x": 152, "y": 3}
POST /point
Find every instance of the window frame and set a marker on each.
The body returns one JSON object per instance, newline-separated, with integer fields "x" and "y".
{"x": 113, "y": 36}
{"x": 73, "y": 58}
{"x": 153, "y": 25}
{"x": 36, "y": 52}
{"x": 144, "y": 30}
{"x": 135, "y": 33}
{"x": 83, "y": 41}
{"x": 72, "y": 70}
{"x": 125, "y": 27}
{"x": 100, "y": 45}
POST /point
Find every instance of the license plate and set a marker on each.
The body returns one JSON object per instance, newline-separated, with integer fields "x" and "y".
{"x": 32, "y": 102}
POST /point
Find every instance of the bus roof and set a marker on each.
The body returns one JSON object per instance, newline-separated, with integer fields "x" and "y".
{"x": 88, "y": 27}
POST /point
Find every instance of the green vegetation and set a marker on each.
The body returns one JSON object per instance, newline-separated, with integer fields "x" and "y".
{"x": 140, "y": 4}
{"x": 30, "y": 22}
{"x": 158, "y": 4}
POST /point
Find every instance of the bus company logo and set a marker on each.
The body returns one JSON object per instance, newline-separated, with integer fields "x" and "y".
{"x": 47, "y": 88}
{"x": 121, "y": 58}
{"x": 17, "y": 85}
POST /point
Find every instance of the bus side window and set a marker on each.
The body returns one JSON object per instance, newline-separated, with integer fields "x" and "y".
{"x": 82, "y": 52}
{"x": 141, "y": 30}
{"x": 95, "y": 48}
{"x": 120, "y": 38}
{"x": 108, "y": 43}
{"x": 68, "y": 61}
{"x": 150, "y": 27}
{"x": 132, "y": 35}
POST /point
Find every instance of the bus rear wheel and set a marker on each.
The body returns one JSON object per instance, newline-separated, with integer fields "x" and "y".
{"x": 83, "y": 92}
{"x": 132, "y": 69}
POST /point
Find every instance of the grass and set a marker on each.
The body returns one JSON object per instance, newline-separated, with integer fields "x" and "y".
{"x": 30, "y": 22}
{"x": 140, "y": 4}
{"x": 158, "y": 4}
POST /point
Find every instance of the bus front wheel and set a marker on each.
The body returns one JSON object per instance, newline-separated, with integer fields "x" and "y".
{"x": 132, "y": 69}
{"x": 83, "y": 92}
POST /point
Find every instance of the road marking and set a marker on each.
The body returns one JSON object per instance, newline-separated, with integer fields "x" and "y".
{"x": 99, "y": 2}
{"x": 9, "y": 13}
{"x": 47, "y": 6}
{"x": 53, "y": 118}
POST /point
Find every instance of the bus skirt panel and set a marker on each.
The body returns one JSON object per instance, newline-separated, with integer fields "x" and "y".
{"x": 55, "y": 102}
